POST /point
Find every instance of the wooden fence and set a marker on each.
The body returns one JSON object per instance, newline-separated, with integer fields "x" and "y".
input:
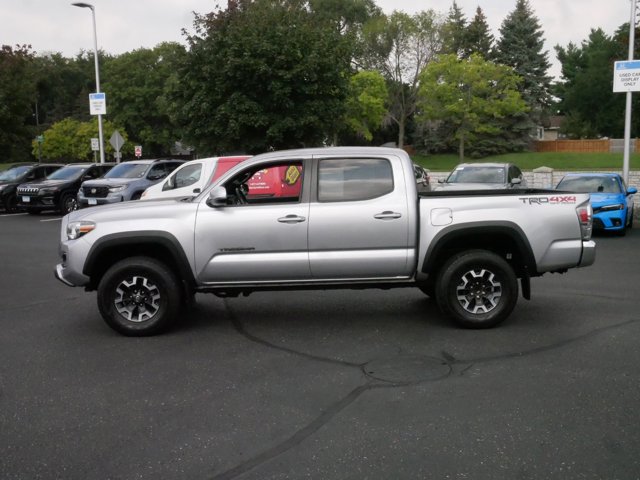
{"x": 578, "y": 146}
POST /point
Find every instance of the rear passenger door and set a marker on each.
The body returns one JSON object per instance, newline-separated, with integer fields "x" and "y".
{"x": 359, "y": 219}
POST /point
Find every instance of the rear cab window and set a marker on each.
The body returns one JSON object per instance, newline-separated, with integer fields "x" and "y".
{"x": 351, "y": 179}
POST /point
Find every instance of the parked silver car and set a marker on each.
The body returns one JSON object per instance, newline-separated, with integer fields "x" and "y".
{"x": 125, "y": 181}
{"x": 483, "y": 176}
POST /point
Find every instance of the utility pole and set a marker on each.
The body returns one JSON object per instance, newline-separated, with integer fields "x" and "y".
{"x": 627, "y": 113}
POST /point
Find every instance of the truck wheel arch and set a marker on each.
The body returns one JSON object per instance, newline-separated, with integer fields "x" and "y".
{"x": 160, "y": 245}
{"x": 497, "y": 237}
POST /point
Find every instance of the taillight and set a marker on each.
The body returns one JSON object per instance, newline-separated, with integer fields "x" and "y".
{"x": 585, "y": 216}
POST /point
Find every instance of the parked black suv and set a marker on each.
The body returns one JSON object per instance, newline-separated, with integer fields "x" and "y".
{"x": 58, "y": 191}
{"x": 20, "y": 173}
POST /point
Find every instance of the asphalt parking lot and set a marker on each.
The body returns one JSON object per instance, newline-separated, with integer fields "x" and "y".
{"x": 320, "y": 385}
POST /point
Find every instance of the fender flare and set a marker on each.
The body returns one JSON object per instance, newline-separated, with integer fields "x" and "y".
{"x": 498, "y": 228}
{"x": 147, "y": 237}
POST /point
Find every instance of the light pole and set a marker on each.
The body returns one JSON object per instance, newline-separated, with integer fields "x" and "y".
{"x": 95, "y": 57}
{"x": 627, "y": 115}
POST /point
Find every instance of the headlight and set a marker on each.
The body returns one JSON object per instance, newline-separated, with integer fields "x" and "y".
{"x": 47, "y": 191}
{"x": 117, "y": 188}
{"x": 609, "y": 208}
{"x": 78, "y": 229}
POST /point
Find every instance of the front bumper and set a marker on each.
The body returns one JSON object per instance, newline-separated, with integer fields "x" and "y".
{"x": 613, "y": 220}
{"x": 37, "y": 202}
{"x": 84, "y": 201}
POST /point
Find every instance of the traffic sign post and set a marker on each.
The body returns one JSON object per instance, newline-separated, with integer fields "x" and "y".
{"x": 116, "y": 142}
{"x": 95, "y": 146}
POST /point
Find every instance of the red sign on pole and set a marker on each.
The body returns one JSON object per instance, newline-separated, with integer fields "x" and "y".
{"x": 138, "y": 151}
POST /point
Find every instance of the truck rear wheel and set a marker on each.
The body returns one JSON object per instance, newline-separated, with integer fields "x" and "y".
{"x": 139, "y": 296}
{"x": 477, "y": 289}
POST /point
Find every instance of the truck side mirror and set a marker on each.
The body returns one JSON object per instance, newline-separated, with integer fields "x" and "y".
{"x": 516, "y": 181}
{"x": 217, "y": 197}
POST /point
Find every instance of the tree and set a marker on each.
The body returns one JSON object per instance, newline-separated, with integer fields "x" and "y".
{"x": 521, "y": 47}
{"x": 365, "y": 106}
{"x": 478, "y": 36}
{"x": 135, "y": 87}
{"x": 454, "y": 32}
{"x": 469, "y": 94}
{"x": 69, "y": 140}
{"x": 63, "y": 86}
{"x": 585, "y": 92}
{"x": 17, "y": 99}
{"x": 262, "y": 74}
{"x": 400, "y": 46}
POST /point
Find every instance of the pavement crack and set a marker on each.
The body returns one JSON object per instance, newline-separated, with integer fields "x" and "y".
{"x": 298, "y": 437}
{"x": 544, "y": 348}
{"x": 254, "y": 338}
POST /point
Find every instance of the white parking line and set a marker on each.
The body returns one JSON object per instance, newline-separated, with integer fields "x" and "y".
{"x": 11, "y": 214}
{"x": 51, "y": 219}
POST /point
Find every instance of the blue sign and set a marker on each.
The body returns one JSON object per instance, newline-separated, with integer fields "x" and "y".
{"x": 631, "y": 64}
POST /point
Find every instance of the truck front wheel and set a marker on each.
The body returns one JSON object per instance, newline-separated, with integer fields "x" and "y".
{"x": 477, "y": 288}
{"x": 139, "y": 296}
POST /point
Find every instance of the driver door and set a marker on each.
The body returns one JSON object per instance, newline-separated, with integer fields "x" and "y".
{"x": 257, "y": 238}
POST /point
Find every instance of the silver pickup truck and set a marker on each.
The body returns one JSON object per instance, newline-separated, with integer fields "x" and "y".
{"x": 344, "y": 217}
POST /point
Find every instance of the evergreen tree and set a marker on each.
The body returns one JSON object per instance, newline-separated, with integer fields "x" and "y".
{"x": 521, "y": 47}
{"x": 478, "y": 37}
{"x": 454, "y": 32}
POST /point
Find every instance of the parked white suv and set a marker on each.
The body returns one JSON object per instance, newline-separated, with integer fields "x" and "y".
{"x": 192, "y": 177}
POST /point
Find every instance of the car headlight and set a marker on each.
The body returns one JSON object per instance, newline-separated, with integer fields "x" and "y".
{"x": 117, "y": 188}
{"x": 609, "y": 208}
{"x": 47, "y": 191}
{"x": 77, "y": 229}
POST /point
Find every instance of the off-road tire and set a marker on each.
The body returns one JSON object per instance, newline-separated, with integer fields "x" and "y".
{"x": 477, "y": 289}
{"x": 139, "y": 296}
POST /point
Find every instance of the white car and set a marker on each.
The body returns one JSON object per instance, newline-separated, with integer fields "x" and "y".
{"x": 192, "y": 177}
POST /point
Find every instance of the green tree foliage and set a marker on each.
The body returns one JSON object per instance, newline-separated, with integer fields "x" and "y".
{"x": 470, "y": 95}
{"x": 63, "y": 87}
{"x": 262, "y": 74}
{"x": 587, "y": 100}
{"x": 17, "y": 100}
{"x": 400, "y": 46}
{"x": 521, "y": 46}
{"x": 454, "y": 32}
{"x": 478, "y": 36}
{"x": 366, "y": 103}
{"x": 135, "y": 86}
{"x": 69, "y": 140}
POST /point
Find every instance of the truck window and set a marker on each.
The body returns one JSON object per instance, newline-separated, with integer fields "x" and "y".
{"x": 343, "y": 180}
{"x": 274, "y": 183}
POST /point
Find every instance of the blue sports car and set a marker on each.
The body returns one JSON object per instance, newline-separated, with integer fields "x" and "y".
{"x": 611, "y": 200}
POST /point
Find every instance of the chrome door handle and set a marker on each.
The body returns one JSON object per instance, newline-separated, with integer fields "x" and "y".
{"x": 291, "y": 219}
{"x": 387, "y": 215}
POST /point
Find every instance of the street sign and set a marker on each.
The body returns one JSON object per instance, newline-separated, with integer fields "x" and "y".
{"x": 138, "y": 150}
{"x": 116, "y": 140}
{"x": 95, "y": 144}
{"x": 626, "y": 76}
{"x": 40, "y": 138}
{"x": 97, "y": 104}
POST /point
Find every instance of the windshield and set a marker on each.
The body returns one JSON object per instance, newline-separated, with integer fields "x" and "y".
{"x": 591, "y": 184}
{"x": 128, "y": 170}
{"x": 477, "y": 174}
{"x": 67, "y": 173}
{"x": 13, "y": 173}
